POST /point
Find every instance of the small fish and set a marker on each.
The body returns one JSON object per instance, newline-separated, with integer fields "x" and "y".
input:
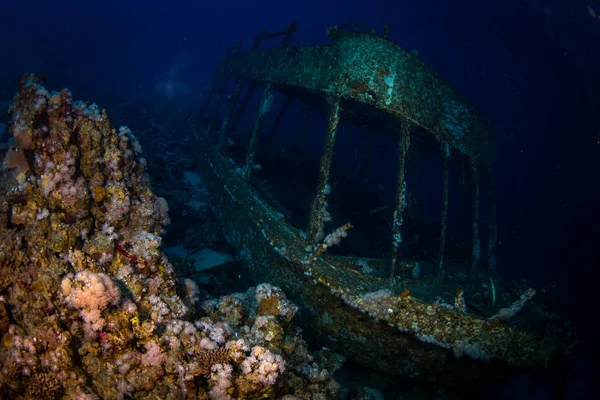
{"x": 592, "y": 12}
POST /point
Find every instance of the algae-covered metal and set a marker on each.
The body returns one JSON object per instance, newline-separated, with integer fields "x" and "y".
{"x": 366, "y": 78}
{"x": 388, "y": 332}
{"x": 372, "y": 71}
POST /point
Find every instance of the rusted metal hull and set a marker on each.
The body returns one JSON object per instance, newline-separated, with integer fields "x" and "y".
{"x": 369, "y": 318}
{"x": 273, "y": 251}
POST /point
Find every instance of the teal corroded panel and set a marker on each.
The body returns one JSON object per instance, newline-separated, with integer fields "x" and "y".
{"x": 308, "y": 67}
{"x": 373, "y": 71}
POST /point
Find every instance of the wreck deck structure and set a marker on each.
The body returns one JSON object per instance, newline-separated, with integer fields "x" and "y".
{"x": 365, "y": 78}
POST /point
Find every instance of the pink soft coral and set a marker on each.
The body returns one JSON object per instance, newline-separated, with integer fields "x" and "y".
{"x": 90, "y": 290}
{"x": 154, "y": 355}
{"x": 91, "y": 293}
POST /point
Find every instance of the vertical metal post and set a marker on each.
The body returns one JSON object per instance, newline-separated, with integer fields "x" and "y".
{"x": 221, "y": 89}
{"x": 265, "y": 104}
{"x": 476, "y": 245}
{"x": 386, "y": 31}
{"x": 259, "y": 38}
{"x": 243, "y": 105}
{"x": 288, "y": 34}
{"x": 317, "y": 211}
{"x": 287, "y": 38}
{"x": 403, "y": 146}
{"x": 492, "y": 225}
{"x": 216, "y": 112}
{"x": 440, "y": 275}
{"x": 257, "y": 41}
{"x": 232, "y": 104}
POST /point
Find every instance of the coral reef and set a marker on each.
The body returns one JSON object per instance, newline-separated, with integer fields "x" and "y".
{"x": 89, "y": 306}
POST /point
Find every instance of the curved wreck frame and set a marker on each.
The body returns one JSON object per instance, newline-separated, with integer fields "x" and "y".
{"x": 369, "y": 319}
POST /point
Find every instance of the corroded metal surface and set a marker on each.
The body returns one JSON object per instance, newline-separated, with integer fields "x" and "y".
{"x": 371, "y": 319}
{"x": 373, "y": 72}
{"x": 400, "y": 335}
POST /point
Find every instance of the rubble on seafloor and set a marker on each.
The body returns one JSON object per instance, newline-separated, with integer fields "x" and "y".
{"x": 89, "y": 306}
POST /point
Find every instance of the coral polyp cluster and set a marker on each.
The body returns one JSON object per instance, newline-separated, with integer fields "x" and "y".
{"x": 89, "y": 306}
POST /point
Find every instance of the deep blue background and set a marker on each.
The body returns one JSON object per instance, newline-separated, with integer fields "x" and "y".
{"x": 532, "y": 67}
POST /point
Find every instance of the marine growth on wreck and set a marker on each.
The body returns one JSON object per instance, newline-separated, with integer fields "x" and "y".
{"x": 429, "y": 318}
{"x": 92, "y": 308}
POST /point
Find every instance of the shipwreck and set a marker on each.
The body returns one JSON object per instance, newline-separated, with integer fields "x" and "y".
{"x": 440, "y": 318}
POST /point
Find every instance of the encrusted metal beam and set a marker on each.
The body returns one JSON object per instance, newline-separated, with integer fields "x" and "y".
{"x": 492, "y": 225}
{"x": 263, "y": 35}
{"x": 403, "y": 146}
{"x": 446, "y": 155}
{"x": 265, "y": 105}
{"x": 226, "y": 71}
{"x": 318, "y": 212}
{"x": 243, "y": 105}
{"x": 232, "y": 103}
{"x": 476, "y": 244}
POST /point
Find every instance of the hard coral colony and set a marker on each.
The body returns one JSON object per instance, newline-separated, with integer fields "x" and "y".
{"x": 91, "y": 308}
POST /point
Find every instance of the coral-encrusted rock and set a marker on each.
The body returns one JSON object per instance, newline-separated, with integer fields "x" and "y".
{"x": 88, "y": 304}
{"x": 83, "y": 171}
{"x": 80, "y": 207}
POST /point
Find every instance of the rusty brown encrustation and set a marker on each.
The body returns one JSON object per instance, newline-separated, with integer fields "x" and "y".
{"x": 365, "y": 78}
